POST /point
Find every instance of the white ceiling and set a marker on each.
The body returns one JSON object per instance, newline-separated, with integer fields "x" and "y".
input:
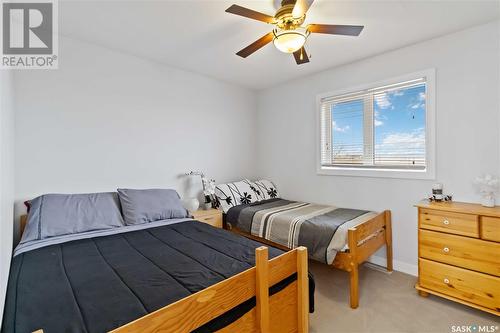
{"x": 199, "y": 36}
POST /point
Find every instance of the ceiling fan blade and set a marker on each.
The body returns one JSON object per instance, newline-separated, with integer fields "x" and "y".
{"x": 301, "y": 56}
{"x": 301, "y": 7}
{"x": 256, "y": 45}
{"x": 242, "y": 11}
{"x": 348, "y": 30}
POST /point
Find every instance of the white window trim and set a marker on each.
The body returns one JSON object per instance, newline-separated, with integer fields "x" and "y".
{"x": 430, "y": 132}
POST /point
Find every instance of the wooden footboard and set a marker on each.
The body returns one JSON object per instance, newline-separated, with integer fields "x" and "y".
{"x": 363, "y": 241}
{"x": 285, "y": 312}
{"x": 367, "y": 238}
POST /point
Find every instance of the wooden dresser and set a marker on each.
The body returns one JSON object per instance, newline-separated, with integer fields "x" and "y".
{"x": 459, "y": 253}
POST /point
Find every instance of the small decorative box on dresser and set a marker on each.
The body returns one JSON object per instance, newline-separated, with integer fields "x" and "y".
{"x": 459, "y": 253}
{"x": 209, "y": 216}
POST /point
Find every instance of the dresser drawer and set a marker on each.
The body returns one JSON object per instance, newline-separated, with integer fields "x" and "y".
{"x": 453, "y": 223}
{"x": 490, "y": 228}
{"x": 477, "y": 288}
{"x": 476, "y": 254}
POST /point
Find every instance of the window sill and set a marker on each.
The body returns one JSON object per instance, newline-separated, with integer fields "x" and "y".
{"x": 377, "y": 173}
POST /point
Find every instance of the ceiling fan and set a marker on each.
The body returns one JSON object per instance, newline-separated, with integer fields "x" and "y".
{"x": 289, "y": 35}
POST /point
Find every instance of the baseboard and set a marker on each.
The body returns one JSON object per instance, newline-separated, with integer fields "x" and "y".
{"x": 379, "y": 268}
{"x": 399, "y": 266}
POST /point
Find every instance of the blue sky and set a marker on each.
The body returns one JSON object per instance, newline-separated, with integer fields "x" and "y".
{"x": 399, "y": 123}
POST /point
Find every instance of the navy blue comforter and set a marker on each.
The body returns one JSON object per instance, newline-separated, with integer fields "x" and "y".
{"x": 98, "y": 284}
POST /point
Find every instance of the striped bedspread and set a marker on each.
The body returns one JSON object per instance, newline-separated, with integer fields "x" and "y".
{"x": 293, "y": 224}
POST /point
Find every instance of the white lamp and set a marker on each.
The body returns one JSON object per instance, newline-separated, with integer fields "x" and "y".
{"x": 192, "y": 203}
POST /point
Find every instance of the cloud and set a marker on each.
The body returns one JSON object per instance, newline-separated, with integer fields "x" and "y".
{"x": 420, "y": 103}
{"x": 342, "y": 129}
{"x": 383, "y": 101}
{"x": 402, "y": 148}
{"x": 408, "y": 140}
{"x": 378, "y": 123}
{"x": 399, "y": 93}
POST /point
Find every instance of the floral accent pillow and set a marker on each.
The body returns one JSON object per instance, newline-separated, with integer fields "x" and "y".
{"x": 234, "y": 194}
{"x": 265, "y": 189}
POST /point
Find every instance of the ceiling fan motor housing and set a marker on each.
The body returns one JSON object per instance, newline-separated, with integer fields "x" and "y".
{"x": 284, "y": 16}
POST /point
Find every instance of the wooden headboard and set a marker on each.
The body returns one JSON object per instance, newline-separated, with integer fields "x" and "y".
{"x": 22, "y": 224}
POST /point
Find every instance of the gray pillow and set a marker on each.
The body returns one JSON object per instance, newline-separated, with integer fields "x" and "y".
{"x": 62, "y": 214}
{"x": 143, "y": 206}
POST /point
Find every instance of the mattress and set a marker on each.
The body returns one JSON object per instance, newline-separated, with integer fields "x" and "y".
{"x": 320, "y": 228}
{"x": 97, "y": 284}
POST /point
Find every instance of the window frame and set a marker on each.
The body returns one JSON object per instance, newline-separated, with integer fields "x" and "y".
{"x": 430, "y": 133}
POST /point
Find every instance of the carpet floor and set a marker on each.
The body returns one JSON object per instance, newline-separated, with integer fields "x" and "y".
{"x": 388, "y": 303}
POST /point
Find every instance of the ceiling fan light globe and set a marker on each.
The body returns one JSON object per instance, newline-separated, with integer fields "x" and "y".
{"x": 289, "y": 41}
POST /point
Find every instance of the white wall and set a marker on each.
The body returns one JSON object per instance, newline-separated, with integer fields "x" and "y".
{"x": 467, "y": 109}
{"x": 105, "y": 120}
{"x": 6, "y": 179}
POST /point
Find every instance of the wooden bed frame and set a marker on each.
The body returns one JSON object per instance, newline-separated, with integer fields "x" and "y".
{"x": 363, "y": 241}
{"x": 284, "y": 312}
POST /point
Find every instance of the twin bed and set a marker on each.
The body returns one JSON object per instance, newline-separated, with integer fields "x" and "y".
{"x": 340, "y": 237}
{"x": 134, "y": 261}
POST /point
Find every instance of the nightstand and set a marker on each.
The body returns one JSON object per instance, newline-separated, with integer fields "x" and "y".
{"x": 209, "y": 216}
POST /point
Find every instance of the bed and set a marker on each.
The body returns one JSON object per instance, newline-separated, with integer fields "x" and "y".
{"x": 171, "y": 275}
{"x": 342, "y": 238}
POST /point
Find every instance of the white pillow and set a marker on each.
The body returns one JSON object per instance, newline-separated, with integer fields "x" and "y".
{"x": 265, "y": 189}
{"x": 234, "y": 194}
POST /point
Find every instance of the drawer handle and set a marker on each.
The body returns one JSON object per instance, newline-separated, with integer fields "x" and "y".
{"x": 209, "y": 218}
{"x": 446, "y": 281}
{"x": 446, "y": 249}
{"x": 446, "y": 222}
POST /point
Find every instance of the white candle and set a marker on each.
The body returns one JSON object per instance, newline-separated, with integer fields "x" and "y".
{"x": 437, "y": 186}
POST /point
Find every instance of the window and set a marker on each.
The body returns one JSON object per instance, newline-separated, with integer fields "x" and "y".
{"x": 383, "y": 129}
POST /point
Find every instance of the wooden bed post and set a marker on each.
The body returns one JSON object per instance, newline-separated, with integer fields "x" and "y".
{"x": 262, "y": 288}
{"x": 388, "y": 239}
{"x": 302, "y": 290}
{"x": 353, "y": 268}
